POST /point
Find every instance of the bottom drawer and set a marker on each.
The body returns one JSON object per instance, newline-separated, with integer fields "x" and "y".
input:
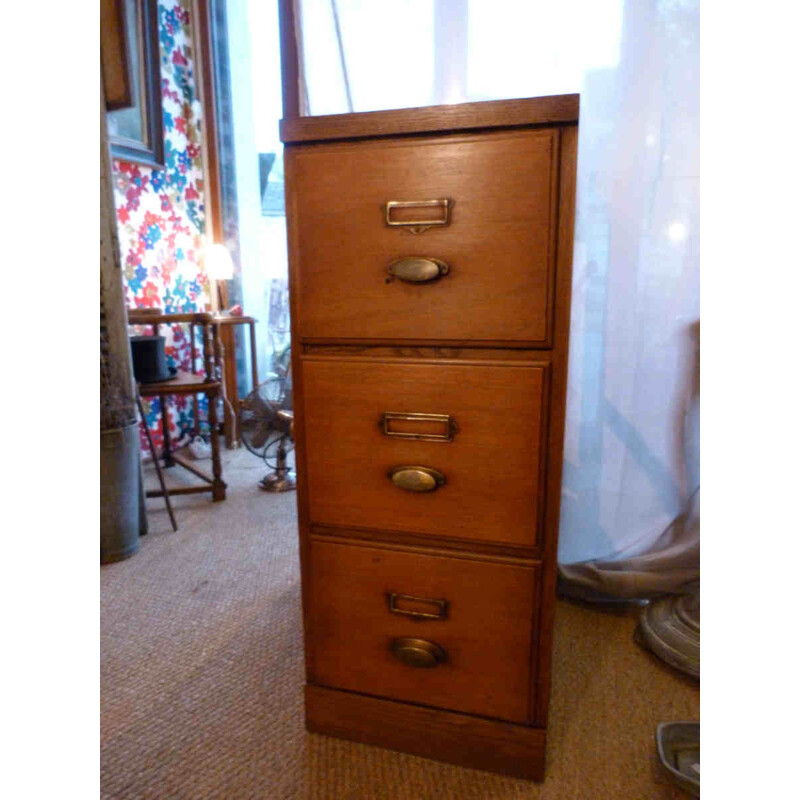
{"x": 441, "y": 631}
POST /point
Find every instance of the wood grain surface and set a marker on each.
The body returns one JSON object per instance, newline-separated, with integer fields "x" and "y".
{"x": 492, "y": 465}
{"x": 485, "y": 344}
{"x": 556, "y": 417}
{"x": 114, "y": 54}
{"x": 499, "y": 245}
{"x": 206, "y": 89}
{"x": 468, "y": 741}
{"x": 486, "y": 632}
{"x": 551, "y": 110}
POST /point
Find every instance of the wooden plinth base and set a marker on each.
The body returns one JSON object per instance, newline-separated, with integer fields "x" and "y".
{"x": 441, "y": 735}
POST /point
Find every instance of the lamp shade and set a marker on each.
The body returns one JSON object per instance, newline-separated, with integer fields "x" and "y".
{"x": 218, "y": 263}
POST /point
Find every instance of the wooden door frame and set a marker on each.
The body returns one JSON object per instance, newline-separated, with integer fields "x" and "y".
{"x": 206, "y": 90}
{"x": 290, "y": 72}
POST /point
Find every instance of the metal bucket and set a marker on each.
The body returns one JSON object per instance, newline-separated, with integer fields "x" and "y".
{"x": 119, "y": 493}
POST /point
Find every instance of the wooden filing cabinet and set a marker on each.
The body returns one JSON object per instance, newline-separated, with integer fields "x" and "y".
{"x": 430, "y": 263}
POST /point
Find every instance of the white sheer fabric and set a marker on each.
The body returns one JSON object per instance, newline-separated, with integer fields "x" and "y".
{"x": 631, "y": 453}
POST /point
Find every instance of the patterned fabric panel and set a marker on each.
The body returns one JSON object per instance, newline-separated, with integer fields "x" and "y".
{"x": 161, "y": 213}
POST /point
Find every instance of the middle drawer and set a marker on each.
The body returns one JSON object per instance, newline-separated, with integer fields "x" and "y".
{"x": 474, "y": 473}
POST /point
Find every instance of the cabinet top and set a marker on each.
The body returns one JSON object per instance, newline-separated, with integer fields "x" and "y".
{"x": 554, "y": 109}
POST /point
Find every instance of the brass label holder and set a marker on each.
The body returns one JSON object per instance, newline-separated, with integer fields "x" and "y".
{"x": 440, "y": 606}
{"x": 447, "y": 423}
{"x": 418, "y": 225}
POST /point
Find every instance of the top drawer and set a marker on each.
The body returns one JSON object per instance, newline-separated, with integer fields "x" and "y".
{"x": 498, "y": 243}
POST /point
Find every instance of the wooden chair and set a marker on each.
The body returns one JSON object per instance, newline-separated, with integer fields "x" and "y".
{"x": 189, "y": 383}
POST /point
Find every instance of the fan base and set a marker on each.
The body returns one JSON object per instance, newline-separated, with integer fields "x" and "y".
{"x": 275, "y": 483}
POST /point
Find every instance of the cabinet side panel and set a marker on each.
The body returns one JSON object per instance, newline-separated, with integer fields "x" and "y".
{"x": 558, "y": 396}
{"x": 298, "y": 398}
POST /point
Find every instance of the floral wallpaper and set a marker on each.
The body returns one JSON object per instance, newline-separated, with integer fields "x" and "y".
{"x": 161, "y": 214}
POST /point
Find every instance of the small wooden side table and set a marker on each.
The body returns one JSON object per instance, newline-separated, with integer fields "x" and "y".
{"x": 226, "y": 325}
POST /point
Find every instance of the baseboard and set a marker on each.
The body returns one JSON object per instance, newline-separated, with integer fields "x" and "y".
{"x": 468, "y": 741}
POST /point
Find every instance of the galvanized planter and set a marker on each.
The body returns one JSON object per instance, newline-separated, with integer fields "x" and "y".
{"x": 119, "y": 493}
{"x": 678, "y": 745}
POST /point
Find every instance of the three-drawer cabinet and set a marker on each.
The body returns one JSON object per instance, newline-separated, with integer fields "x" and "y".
{"x": 430, "y": 264}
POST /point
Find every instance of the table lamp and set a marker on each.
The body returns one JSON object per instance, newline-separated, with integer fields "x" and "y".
{"x": 220, "y": 270}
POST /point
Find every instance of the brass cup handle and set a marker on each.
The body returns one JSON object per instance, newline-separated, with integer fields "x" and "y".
{"x": 418, "y": 652}
{"x": 417, "y": 479}
{"x": 417, "y": 269}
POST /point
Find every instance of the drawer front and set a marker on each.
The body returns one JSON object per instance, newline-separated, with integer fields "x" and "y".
{"x": 498, "y": 245}
{"x": 483, "y": 434}
{"x": 478, "y": 623}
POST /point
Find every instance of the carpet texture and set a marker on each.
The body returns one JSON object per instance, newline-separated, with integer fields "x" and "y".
{"x": 202, "y": 677}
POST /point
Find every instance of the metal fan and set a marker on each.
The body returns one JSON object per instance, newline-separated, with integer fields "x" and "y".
{"x": 267, "y": 426}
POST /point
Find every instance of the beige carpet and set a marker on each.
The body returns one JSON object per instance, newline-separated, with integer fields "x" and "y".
{"x": 201, "y": 678}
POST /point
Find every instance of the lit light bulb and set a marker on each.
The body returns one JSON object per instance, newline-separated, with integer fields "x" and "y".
{"x": 219, "y": 265}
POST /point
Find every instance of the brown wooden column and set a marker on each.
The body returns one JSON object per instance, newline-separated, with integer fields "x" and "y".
{"x": 290, "y": 72}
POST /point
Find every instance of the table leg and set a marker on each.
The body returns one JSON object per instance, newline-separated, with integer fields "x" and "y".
{"x": 230, "y": 388}
{"x": 155, "y": 461}
{"x": 218, "y": 485}
{"x": 253, "y": 361}
{"x": 166, "y": 451}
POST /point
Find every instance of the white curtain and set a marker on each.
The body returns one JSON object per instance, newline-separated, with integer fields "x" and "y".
{"x": 630, "y": 495}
